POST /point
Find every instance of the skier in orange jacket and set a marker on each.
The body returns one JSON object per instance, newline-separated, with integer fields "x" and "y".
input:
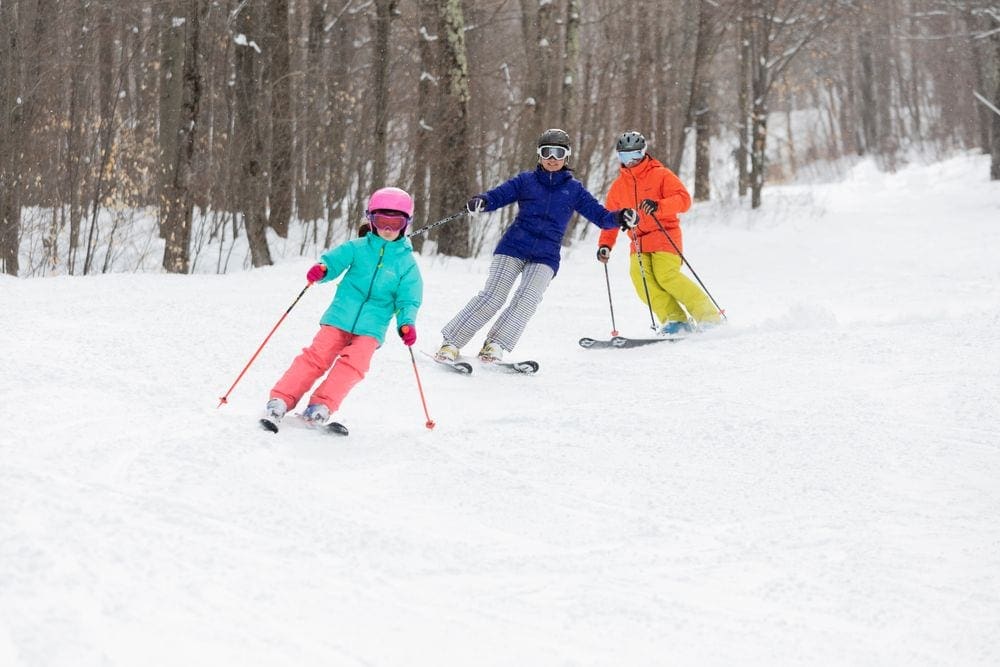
{"x": 645, "y": 184}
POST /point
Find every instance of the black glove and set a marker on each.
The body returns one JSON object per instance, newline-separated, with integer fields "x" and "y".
{"x": 476, "y": 205}
{"x": 603, "y": 254}
{"x": 648, "y": 206}
{"x": 627, "y": 218}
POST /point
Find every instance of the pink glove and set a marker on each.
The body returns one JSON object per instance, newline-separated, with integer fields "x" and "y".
{"x": 408, "y": 333}
{"x": 316, "y": 273}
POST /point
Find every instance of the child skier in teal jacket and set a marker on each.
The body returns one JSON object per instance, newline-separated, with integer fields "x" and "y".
{"x": 381, "y": 281}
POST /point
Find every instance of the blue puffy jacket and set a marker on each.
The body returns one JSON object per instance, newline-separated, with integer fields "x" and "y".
{"x": 546, "y": 201}
{"x": 381, "y": 280}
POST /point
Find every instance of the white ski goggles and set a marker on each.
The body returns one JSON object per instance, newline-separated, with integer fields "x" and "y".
{"x": 553, "y": 152}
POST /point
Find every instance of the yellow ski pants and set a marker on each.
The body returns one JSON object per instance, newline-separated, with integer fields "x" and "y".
{"x": 672, "y": 295}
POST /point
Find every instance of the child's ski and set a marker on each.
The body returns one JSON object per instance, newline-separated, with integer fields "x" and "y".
{"x": 622, "y": 341}
{"x": 333, "y": 428}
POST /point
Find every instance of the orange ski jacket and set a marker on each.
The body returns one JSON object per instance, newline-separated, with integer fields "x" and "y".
{"x": 649, "y": 180}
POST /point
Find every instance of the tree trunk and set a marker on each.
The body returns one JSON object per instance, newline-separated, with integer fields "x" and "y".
{"x": 571, "y": 57}
{"x": 995, "y": 144}
{"x": 384, "y": 9}
{"x": 454, "y": 173}
{"x": 280, "y": 209}
{"x": 76, "y": 173}
{"x": 426, "y": 128}
{"x": 20, "y": 78}
{"x": 757, "y": 164}
{"x": 310, "y": 194}
{"x": 702, "y": 144}
{"x": 172, "y": 30}
{"x": 11, "y": 130}
{"x": 176, "y": 222}
{"x": 869, "y": 115}
{"x": 536, "y": 102}
{"x": 250, "y": 149}
{"x": 696, "y": 115}
{"x": 743, "y": 113}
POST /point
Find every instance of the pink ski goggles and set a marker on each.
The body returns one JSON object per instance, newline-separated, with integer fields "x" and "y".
{"x": 388, "y": 221}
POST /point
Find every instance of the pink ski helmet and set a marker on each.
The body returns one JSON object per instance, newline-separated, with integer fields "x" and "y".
{"x": 392, "y": 199}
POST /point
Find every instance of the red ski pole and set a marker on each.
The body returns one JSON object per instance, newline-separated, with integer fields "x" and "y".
{"x": 430, "y": 422}
{"x": 225, "y": 399}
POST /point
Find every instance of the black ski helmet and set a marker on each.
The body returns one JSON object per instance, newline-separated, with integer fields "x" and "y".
{"x": 554, "y": 137}
{"x": 631, "y": 141}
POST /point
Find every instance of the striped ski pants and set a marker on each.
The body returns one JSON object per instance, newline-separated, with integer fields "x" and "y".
{"x": 507, "y": 329}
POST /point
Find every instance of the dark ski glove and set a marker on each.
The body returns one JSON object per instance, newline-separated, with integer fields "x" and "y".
{"x": 476, "y": 205}
{"x": 648, "y": 206}
{"x": 603, "y": 254}
{"x": 627, "y": 218}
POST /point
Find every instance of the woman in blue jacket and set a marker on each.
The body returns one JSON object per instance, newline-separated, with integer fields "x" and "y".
{"x": 546, "y": 198}
{"x": 381, "y": 281}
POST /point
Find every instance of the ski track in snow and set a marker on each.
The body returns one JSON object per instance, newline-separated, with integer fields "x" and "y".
{"x": 815, "y": 483}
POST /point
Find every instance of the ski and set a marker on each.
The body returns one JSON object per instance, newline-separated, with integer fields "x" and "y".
{"x": 525, "y": 367}
{"x": 622, "y": 341}
{"x": 333, "y": 428}
{"x": 460, "y": 367}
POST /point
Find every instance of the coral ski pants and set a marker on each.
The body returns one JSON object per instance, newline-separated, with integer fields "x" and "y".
{"x": 352, "y": 354}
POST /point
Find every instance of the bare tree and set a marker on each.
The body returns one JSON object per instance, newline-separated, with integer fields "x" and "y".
{"x": 570, "y": 65}
{"x": 538, "y": 29}
{"x": 384, "y": 11}
{"x": 778, "y": 30}
{"x": 710, "y": 28}
{"x": 426, "y": 128}
{"x": 995, "y": 144}
{"x": 282, "y": 139}
{"x": 176, "y": 200}
{"x": 18, "y": 106}
{"x": 743, "y": 100}
{"x": 247, "y": 131}
{"x": 454, "y": 173}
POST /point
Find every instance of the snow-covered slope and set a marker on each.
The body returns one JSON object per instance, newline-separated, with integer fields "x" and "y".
{"x": 816, "y": 483}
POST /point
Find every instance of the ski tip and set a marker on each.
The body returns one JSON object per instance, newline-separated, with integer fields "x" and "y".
{"x": 268, "y": 425}
{"x": 337, "y": 428}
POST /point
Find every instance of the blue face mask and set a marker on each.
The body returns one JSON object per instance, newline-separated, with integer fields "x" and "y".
{"x": 628, "y": 157}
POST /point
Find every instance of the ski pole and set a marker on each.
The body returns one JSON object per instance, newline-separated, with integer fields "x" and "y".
{"x": 225, "y": 399}
{"x": 645, "y": 286}
{"x": 691, "y": 268}
{"x": 431, "y": 226}
{"x": 607, "y": 280}
{"x": 430, "y": 422}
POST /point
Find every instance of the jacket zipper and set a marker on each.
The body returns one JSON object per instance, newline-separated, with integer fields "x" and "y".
{"x": 368, "y": 296}
{"x": 637, "y": 240}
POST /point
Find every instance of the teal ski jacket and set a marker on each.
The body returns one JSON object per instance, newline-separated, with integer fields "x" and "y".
{"x": 382, "y": 280}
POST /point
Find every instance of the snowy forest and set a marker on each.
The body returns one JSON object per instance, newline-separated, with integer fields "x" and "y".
{"x": 226, "y": 119}
{"x": 815, "y": 482}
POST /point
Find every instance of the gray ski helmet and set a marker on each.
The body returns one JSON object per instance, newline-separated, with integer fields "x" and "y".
{"x": 631, "y": 141}
{"x": 554, "y": 137}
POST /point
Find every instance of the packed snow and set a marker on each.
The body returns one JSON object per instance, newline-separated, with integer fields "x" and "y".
{"x": 816, "y": 483}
